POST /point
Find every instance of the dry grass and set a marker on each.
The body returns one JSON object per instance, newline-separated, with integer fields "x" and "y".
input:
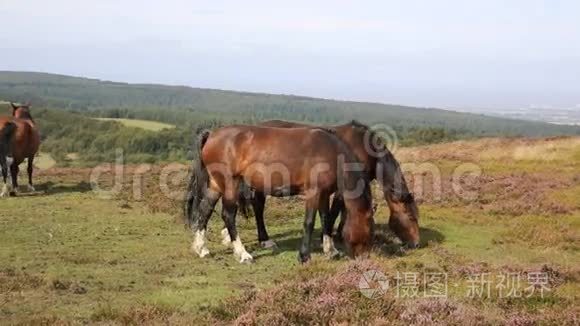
{"x": 333, "y": 300}
{"x": 16, "y": 281}
{"x": 518, "y": 176}
{"x": 142, "y": 124}
{"x": 496, "y": 149}
{"x": 542, "y": 232}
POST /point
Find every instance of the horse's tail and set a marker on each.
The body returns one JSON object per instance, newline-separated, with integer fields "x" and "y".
{"x": 198, "y": 182}
{"x": 6, "y": 133}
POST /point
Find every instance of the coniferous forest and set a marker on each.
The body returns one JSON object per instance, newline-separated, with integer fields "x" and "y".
{"x": 66, "y": 107}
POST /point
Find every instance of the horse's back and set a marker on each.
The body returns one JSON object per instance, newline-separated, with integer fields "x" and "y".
{"x": 346, "y": 133}
{"x": 285, "y": 124}
{"x": 25, "y": 141}
{"x": 272, "y": 143}
{"x": 256, "y": 151}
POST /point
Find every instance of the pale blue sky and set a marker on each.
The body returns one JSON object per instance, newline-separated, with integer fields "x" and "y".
{"x": 497, "y": 54}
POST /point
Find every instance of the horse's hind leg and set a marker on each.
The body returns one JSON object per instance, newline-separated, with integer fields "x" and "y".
{"x": 327, "y": 241}
{"x": 199, "y": 228}
{"x": 311, "y": 208}
{"x": 29, "y": 170}
{"x": 230, "y": 207}
{"x": 14, "y": 174}
{"x": 258, "y": 205}
{"x": 258, "y": 202}
{"x": 226, "y": 240}
{"x": 336, "y": 209}
{"x": 4, "y": 168}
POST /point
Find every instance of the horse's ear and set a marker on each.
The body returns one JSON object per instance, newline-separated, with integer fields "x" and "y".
{"x": 14, "y": 107}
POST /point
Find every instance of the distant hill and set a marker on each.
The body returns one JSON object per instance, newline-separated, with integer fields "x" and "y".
{"x": 182, "y": 105}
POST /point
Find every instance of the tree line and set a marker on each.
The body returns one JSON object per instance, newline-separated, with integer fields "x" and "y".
{"x": 65, "y": 107}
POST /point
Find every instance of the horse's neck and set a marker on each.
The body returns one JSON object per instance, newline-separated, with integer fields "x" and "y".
{"x": 355, "y": 204}
{"x": 390, "y": 176}
{"x": 351, "y": 183}
{"x": 29, "y": 121}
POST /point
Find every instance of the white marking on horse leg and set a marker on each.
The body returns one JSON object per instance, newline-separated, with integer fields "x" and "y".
{"x": 328, "y": 246}
{"x": 326, "y": 243}
{"x": 5, "y": 190}
{"x": 31, "y": 188}
{"x": 226, "y": 240}
{"x": 198, "y": 245}
{"x": 240, "y": 251}
{"x": 269, "y": 244}
{"x": 396, "y": 240}
{"x": 9, "y": 161}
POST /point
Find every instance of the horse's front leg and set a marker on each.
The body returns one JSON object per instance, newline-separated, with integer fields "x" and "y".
{"x": 311, "y": 208}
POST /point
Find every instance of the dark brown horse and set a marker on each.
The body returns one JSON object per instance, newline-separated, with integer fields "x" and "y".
{"x": 280, "y": 162}
{"x": 379, "y": 163}
{"x": 23, "y": 139}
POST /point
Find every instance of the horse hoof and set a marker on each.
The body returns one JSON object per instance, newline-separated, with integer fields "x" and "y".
{"x": 268, "y": 244}
{"x": 334, "y": 255}
{"x": 5, "y": 191}
{"x": 246, "y": 258}
{"x": 226, "y": 240}
{"x": 203, "y": 252}
{"x": 303, "y": 258}
{"x": 200, "y": 250}
{"x": 31, "y": 188}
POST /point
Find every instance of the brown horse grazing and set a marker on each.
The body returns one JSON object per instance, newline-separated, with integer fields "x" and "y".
{"x": 379, "y": 163}
{"x": 279, "y": 162}
{"x": 24, "y": 140}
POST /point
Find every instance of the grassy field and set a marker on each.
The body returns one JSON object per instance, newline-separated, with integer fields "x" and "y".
{"x": 143, "y": 124}
{"x": 44, "y": 161}
{"x": 70, "y": 256}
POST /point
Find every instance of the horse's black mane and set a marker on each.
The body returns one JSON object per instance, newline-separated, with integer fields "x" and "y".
{"x": 373, "y": 134}
{"x": 403, "y": 194}
{"x": 358, "y": 124}
{"x": 327, "y": 129}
